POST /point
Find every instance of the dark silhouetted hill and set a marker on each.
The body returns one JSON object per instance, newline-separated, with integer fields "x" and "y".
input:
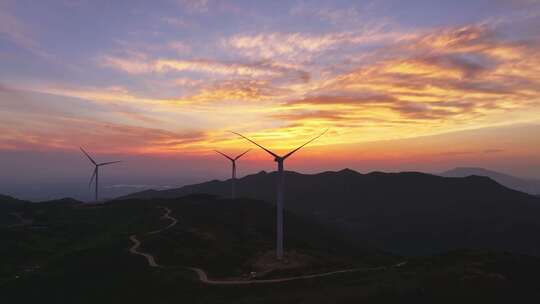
{"x": 80, "y": 255}
{"x": 10, "y": 204}
{"x": 9, "y": 208}
{"x": 14, "y": 211}
{"x": 404, "y": 213}
{"x": 6, "y": 199}
{"x": 524, "y": 185}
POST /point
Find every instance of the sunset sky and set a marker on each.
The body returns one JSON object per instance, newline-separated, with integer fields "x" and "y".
{"x": 402, "y": 85}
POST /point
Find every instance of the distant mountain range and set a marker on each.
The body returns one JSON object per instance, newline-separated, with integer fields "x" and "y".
{"x": 404, "y": 213}
{"x": 530, "y": 186}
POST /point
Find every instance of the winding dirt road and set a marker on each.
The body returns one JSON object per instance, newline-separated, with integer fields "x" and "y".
{"x": 203, "y": 277}
{"x": 136, "y": 243}
{"x": 133, "y": 249}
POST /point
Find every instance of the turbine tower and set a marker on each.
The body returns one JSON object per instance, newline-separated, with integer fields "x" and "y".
{"x": 280, "y": 189}
{"x": 96, "y": 171}
{"x": 233, "y": 161}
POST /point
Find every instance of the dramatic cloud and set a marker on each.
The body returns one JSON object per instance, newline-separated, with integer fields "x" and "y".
{"x": 67, "y": 133}
{"x": 344, "y": 100}
{"x": 237, "y": 90}
{"x": 423, "y": 82}
{"x": 140, "y": 65}
{"x": 299, "y": 45}
{"x": 365, "y": 75}
{"x": 213, "y": 67}
{"x": 445, "y": 78}
{"x": 312, "y": 115}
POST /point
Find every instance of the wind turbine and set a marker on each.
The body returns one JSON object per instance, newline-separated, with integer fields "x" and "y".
{"x": 96, "y": 171}
{"x": 280, "y": 188}
{"x": 233, "y": 179}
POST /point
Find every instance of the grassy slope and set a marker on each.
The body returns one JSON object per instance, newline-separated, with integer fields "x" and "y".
{"x": 456, "y": 277}
{"x": 405, "y": 213}
{"x": 84, "y": 259}
{"x": 217, "y": 235}
{"x": 221, "y": 235}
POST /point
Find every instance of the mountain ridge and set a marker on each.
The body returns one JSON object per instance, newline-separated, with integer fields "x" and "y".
{"x": 404, "y": 213}
{"x": 530, "y": 186}
{"x": 189, "y": 189}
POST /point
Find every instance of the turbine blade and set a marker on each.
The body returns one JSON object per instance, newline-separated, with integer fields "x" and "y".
{"x": 92, "y": 178}
{"x": 291, "y": 153}
{"x": 225, "y": 155}
{"x": 87, "y": 155}
{"x": 242, "y": 154}
{"x": 270, "y": 152}
{"x": 108, "y": 163}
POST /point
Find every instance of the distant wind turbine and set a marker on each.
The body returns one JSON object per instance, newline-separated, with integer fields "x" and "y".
{"x": 96, "y": 171}
{"x": 280, "y": 188}
{"x": 233, "y": 179}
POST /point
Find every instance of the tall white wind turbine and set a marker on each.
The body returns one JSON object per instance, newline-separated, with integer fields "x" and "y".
{"x": 233, "y": 161}
{"x": 280, "y": 189}
{"x": 96, "y": 171}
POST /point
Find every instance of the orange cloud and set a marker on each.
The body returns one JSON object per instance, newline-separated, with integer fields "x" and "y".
{"x": 419, "y": 84}
{"x": 68, "y": 132}
{"x": 139, "y": 64}
{"x": 238, "y": 90}
{"x": 299, "y": 45}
